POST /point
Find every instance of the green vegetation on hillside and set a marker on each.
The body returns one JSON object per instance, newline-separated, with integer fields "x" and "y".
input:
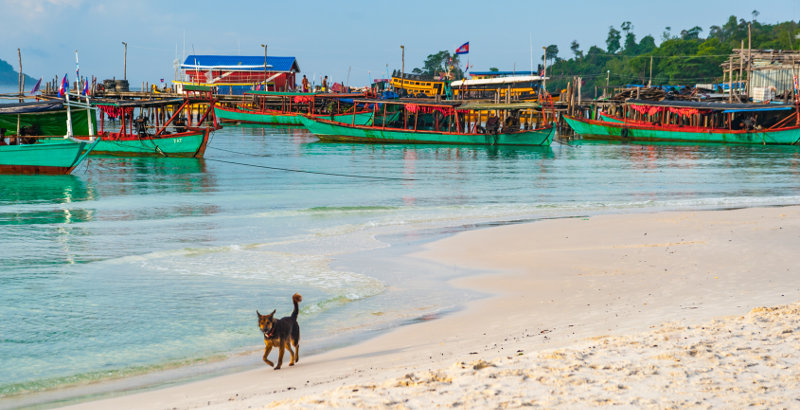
{"x": 684, "y": 58}
{"x": 9, "y": 76}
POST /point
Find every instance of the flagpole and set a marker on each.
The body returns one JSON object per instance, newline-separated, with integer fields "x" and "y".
{"x": 77, "y": 73}
{"x": 530, "y": 42}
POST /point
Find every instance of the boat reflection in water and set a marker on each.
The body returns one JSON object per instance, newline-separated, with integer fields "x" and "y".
{"x": 43, "y": 199}
{"x": 146, "y": 175}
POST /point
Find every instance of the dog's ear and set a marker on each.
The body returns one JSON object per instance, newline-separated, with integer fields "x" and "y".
{"x": 273, "y": 312}
{"x": 259, "y": 314}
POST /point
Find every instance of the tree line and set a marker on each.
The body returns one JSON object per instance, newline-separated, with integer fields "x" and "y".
{"x": 681, "y": 58}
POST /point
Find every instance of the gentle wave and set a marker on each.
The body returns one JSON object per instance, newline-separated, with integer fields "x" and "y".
{"x": 80, "y": 379}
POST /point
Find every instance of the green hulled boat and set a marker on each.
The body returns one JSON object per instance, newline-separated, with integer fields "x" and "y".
{"x": 680, "y": 121}
{"x": 227, "y": 114}
{"x": 191, "y": 143}
{"x": 47, "y": 156}
{"x": 45, "y": 142}
{"x": 411, "y": 125}
{"x": 173, "y": 138}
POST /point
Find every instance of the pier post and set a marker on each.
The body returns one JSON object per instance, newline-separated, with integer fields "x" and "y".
{"x": 125, "y": 62}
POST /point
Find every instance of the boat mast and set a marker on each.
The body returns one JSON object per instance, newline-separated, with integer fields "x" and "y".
{"x": 69, "y": 116}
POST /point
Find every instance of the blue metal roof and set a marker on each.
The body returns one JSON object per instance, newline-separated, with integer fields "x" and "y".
{"x": 248, "y": 63}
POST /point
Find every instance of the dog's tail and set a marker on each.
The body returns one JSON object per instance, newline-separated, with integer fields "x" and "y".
{"x": 296, "y": 299}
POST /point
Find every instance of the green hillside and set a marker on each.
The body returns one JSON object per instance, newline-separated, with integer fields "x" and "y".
{"x": 9, "y": 76}
{"x": 681, "y": 58}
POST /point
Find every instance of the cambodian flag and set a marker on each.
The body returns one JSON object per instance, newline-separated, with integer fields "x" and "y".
{"x": 463, "y": 49}
{"x": 86, "y": 87}
{"x": 36, "y": 87}
{"x": 64, "y": 88}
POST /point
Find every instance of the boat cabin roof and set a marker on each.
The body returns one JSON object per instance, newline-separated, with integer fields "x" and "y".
{"x": 294, "y": 94}
{"x": 723, "y": 107}
{"x": 477, "y": 106}
{"x": 31, "y": 107}
{"x": 139, "y": 103}
{"x": 404, "y": 101}
{"x": 461, "y": 105}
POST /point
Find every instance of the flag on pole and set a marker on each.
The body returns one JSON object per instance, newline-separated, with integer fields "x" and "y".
{"x": 86, "y": 87}
{"x": 463, "y": 49}
{"x": 64, "y": 88}
{"x": 36, "y": 87}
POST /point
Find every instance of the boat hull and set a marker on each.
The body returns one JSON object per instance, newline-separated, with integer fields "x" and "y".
{"x": 635, "y": 132}
{"x": 331, "y": 131}
{"x": 190, "y": 144}
{"x": 263, "y": 117}
{"x": 47, "y": 158}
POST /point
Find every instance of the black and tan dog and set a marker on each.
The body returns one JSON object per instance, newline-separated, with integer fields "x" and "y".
{"x": 283, "y": 333}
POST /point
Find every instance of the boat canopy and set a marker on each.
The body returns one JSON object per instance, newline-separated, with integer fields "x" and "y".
{"x": 405, "y": 101}
{"x": 478, "y": 106}
{"x": 139, "y": 103}
{"x": 723, "y": 107}
{"x": 499, "y": 80}
{"x": 31, "y": 107}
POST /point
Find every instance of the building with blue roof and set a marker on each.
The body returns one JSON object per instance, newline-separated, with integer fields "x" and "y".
{"x": 238, "y": 74}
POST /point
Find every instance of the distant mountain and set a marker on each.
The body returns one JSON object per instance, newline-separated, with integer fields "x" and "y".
{"x": 9, "y": 76}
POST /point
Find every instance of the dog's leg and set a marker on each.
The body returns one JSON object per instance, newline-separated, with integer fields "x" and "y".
{"x": 296, "y": 352}
{"x": 291, "y": 352}
{"x": 281, "y": 349}
{"x": 268, "y": 349}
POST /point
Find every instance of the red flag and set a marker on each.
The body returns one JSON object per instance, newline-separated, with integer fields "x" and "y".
{"x": 64, "y": 88}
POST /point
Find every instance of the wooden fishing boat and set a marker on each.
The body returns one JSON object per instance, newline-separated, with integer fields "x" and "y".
{"x": 42, "y": 141}
{"x": 682, "y": 121}
{"x": 446, "y": 123}
{"x": 284, "y": 108}
{"x": 175, "y": 137}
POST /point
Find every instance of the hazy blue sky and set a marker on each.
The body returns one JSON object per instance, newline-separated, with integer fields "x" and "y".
{"x": 330, "y": 37}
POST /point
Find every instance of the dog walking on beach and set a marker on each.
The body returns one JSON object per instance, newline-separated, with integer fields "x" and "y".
{"x": 283, "y": 333}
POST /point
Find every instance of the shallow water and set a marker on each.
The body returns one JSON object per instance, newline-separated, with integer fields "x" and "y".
{"x": 132, "y": 265}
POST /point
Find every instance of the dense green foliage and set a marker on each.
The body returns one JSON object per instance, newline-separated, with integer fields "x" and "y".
{"x": 8, "y": 76}
{"x": 686, "y": 58}
{"x": 437, "y": 63}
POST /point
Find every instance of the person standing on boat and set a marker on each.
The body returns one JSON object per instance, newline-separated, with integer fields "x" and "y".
{"x": 325, "y": 84}
{"x": 305, "y": 84}
{"x": 492, "y": 124}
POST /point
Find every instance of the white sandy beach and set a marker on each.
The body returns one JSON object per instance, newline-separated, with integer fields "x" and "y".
{"x": 641, "y": 310}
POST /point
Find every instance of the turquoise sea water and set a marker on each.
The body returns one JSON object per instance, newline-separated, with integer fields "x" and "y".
{"x": 133, "y": 265}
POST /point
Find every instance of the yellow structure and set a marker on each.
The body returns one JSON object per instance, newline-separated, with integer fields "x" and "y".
{"x": 417, "y": 85}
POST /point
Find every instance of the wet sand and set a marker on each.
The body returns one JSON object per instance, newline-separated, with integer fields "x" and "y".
{"x": 642, "y": 310}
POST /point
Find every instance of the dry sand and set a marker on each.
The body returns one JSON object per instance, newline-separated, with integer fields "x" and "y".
{"x": 641, "y": 310}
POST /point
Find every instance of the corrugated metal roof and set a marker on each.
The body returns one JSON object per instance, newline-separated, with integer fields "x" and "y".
{"x": 518, "y": 72}
{"x": 247, "y": 63}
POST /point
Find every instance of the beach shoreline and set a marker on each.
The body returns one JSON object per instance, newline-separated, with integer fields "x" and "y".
{"x": 604, "y": 276}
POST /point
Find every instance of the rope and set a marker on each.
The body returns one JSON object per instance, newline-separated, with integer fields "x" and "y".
{"x": 237, "y": 152}
{"x": 312, "y": 172}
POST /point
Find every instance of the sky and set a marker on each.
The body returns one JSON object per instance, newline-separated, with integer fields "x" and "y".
{"x": 351, "y": 41}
